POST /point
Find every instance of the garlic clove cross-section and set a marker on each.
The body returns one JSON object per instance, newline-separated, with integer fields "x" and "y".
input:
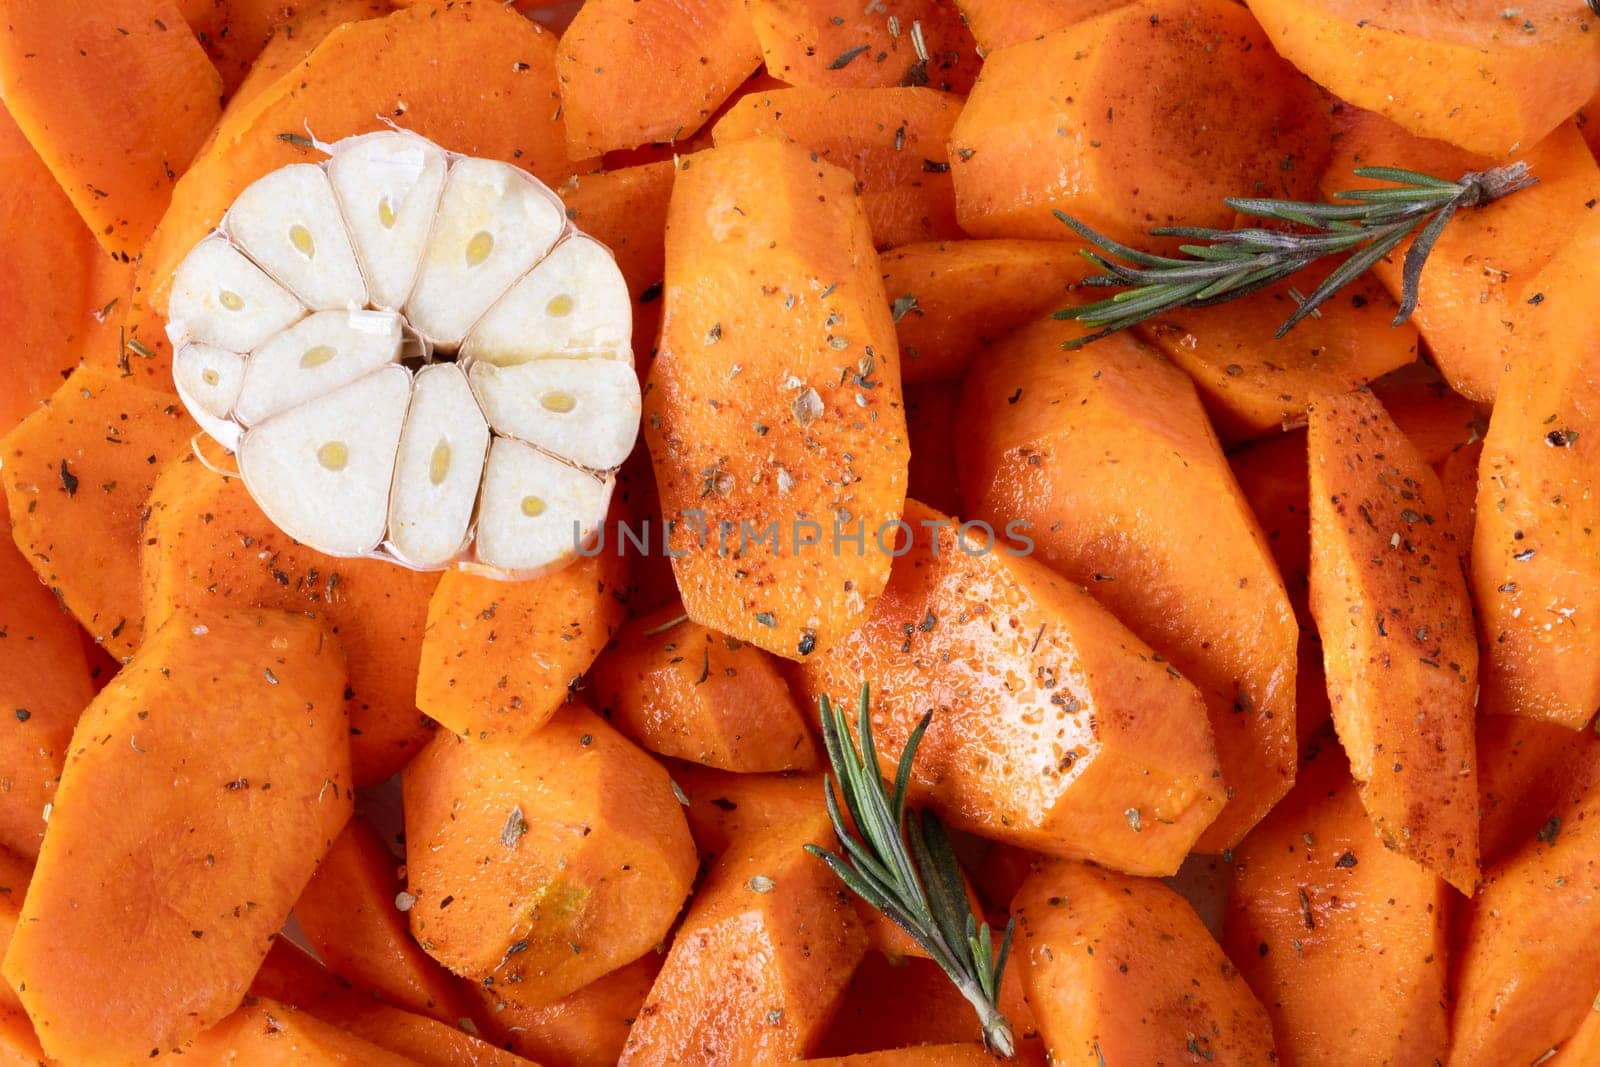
{"x": 415, "y": 356}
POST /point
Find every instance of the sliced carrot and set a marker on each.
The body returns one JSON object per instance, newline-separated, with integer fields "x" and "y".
{"x": 898, "y": 1002}
{"x": 295, "y": 31}
{"x": 775, "y": 398}
{"x": 45, "y": 305}
{"x": 207, "y": 546}
{"x": 725, "y": 807}
{"x": 375, "y": 70}
{"x": 19, "y": 1045}
{"x": 1342, "y": 939}
{"x": 893, "y": 141}
{"x": 77, "y": 472}
{"x": 1472, "y": 307}
{"x": 116, "y": 97}
{"x": 266, "y": 1033}
{"x": 837, "y": 44}
{"x": 1105, "y": 452}
{"x": 45, "y": 682}
{"x": 931, "y": 412}
{"x": 960, "y": 1054}
{"x": 1435, "y": 418}
{"x": 1528, "y": 773}
{"x": 503, "y": 656}
{"x": 1112, "y": 120}
{"x": 1583, "y": 1047}
{"x": 221, "y": 750}
{"x": 1522, "y": 982}
{"x": 1122, "y": 970}
{"x": 1276, "y": 482}
{"x": 543, "y": 860}
{"x": 15, "y": 873}
{"x": 953, "y": 299}
{"x": 761, "y": 961}
{"x": 1253, "y": 385}
{"x": 1458, "y": 474}
{"x": 1513, "y": 74}
{"x": 587, "y": 1028}
{"x": 231, "y": 32}
{"x": 348, "y": 916}
{"x": 682, "y": 690}
{"x": 691, "y": 53}
{"x": 1535, "y": 572}
{"x": 1399, "y": 647}
{"x": 997, "y": 23}
{"x": 626, "y": 210}
{"x": 1022, "y": 670}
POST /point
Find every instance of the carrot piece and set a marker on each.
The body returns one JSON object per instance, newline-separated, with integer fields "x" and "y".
{"x": 1122, "y": 970}
{"x": 998, "y": 23}
{"x": 1343, "y": 939}
{"x": 1024, "y": 669}
{"x": 1514, "y": 74}
{"x": 295, "y": 33}
{"x": 208, "y": 546}
{"x": 265, "y": 1033}
{"x": 626, "y": 210}
{"x": 1399, "y": 648}
{"x": 837, "y": 44}
{"x": 1583, "y": 1047}
{"x": 677, "y": 147}
{"x": 761, "y": 961}
{"x": 1252, "y": 384}
{"x": 1112, "y": 120}
{"x": 893, "y": 141}
{"x": 221, "y": 746}
{"x": 292, "y": 976}
{"x": 77, "y": 472}
{"x": 19, "y": 1045}
{"x": 15, "y": 873}
{"x": 682, "y": 690}
{"x": 1458, "y": 473}
{"x": 558, "y": 855}
{"x": 772, "y": 288}
{"x": 1522, "y": 981}
{"x": 1436, "y": 419}
{"x": 725, "y": 807}
{"x": 953, "y": 299}
{"x": 587, "y": 1028}
{"x": 347, "y": 914}
{"x": 1528, "y": 773}
{"x": 45, "y": 683}
{"x": 692, "y": 53}
{"x": 503, "y": 656}
{"x": 1276, "y": 482}
{"x": 238, "y": 35}
{"x": 896, "y": 1002}
{"x": 931, "y": 412}
{"x": 1472, "y": 307}
{"x": 65, "y": 66}
{"x": 960, "y": 1054}
{"x": 1535, "y": 575}
{"x": 390, "y": 67}
{"x": 45, "y": 304}
{"x": 1099, "y": 451}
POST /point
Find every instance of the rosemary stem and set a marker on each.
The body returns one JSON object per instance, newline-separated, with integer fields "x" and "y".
{"x": 997, "y": 1035}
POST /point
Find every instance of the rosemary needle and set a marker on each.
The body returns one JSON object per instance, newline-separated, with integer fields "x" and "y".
{"x": 1221, "y": 265}
{"x": 902, "y": 865}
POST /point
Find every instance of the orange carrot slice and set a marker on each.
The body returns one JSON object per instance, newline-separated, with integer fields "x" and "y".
{"x": 270, "y": 1034}
{"x": 892, "y": 140}
{"x": 208, "y": 546}
{"x": 775, "y": 387}
{"x": 1103, "y": 452}
{"x": 1513, "y": 73}
{"x": 587, "y": 1028}
{"x": 1529, "y": 772}
{"x": 1342, "y": 939}
{"x": 691, "y": 53}
{"x": 116, "y": 97}
{"x": 839, "y": 44}
{"x": 997, "y": 23}
{"x": 726, "y": 806}
{"x": 1436, "y": 419}
{"x": 931, "y": 412}
{"x": 15, "y": 873}
{"x": 221, "y": 749}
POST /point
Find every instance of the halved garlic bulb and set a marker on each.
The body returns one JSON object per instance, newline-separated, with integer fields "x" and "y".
{"x": 414, "y": 355}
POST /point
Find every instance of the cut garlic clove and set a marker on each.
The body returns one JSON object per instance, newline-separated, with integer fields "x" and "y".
{"x": 322, "y": 471}
{"x": 388, "y": 185}
{"x": 436, "y": 479}
{"x": 289, "y": 223}
{"x": 221, "y": 298}
{"x": 494, "y": 222}
{"x": 314, "y": 356}
{"x": 573, "y": 303}
{"x": 583, "y": 410}
{"x": 534, "y": 510}
{"x": 208, "y": 380}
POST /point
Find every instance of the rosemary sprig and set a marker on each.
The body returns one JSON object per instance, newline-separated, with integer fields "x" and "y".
{"x": 1365, "y": 226}
{"x": 902, "y": 864}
